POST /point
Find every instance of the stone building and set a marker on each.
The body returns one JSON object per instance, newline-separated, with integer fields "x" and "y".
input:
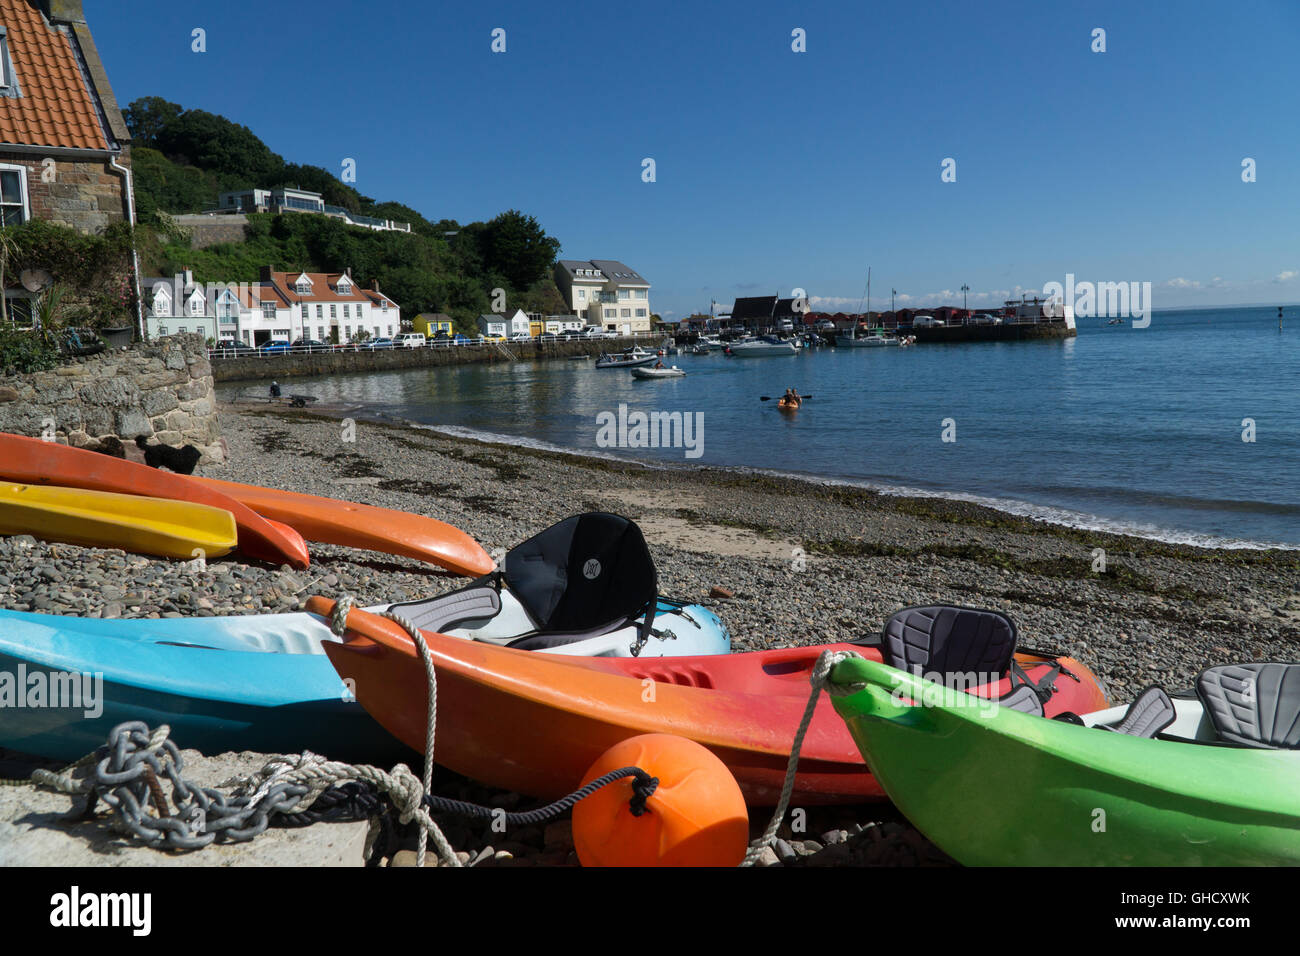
{"x": 64, "y": 146}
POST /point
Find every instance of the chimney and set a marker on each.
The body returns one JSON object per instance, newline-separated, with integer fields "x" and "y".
{"x": 265, "y": 274}
{"x": 374, "y": 285}
{"x": 347, "y": 271}
{"x": 62, "y": 11}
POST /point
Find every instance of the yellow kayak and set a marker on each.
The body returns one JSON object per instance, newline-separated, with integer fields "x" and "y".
{"x": 102, "y": 519}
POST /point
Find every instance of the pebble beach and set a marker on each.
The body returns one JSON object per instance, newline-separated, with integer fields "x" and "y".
{"x": 782, "y": 561}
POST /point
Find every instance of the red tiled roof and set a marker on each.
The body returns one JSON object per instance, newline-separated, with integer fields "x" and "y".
{"x": 323, "y": 288}
{"x": 55, "y": 108}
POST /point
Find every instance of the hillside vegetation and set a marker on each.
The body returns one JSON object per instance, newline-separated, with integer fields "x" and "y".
{"x": 184, "y": 158}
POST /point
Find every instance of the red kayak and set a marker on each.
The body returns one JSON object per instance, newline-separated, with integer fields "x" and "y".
{"x": 35, "y": 462}
{"x": 533, "y": 723}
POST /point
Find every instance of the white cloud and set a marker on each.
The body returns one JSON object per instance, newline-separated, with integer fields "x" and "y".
{"x": 1181, "y": 283}
{"x": 1286, "y": 276}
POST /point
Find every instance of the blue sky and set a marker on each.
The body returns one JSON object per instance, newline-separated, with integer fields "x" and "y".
{"x": 777, "y": 169}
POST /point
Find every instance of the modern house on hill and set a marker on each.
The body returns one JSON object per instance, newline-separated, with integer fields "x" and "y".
{"x": 284, "y": 199}
{"x": 64, "y": 147}
{"x": 606, "y": 293}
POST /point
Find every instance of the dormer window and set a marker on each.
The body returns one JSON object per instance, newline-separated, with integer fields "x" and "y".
{"x": 345, "y": 286}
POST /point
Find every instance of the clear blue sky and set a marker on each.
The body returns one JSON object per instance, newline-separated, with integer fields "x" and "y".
{"x": 777, "y": 169}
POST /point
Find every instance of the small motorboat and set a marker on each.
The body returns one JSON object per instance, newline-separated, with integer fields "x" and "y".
{"x": 657, "y": 372}
{"x": 628, "y": 358}
{"x": 875, "y": 340}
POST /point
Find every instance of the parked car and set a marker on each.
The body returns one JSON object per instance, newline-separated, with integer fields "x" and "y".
{"x": 546, "y": 337}
{"x": 441, "y": 338}
{"x": 460, "y": 339}
{"x": 925, "y": 321}
{"x": 410, "y": 340}
{"x": 275, "y": 347}
{"x": 521, "y": 337}
{"x": 984, "y": 318}
{"x": 309, "y": 345}
{"x": 379, "y": 344}
{"x": 595, "y": 332}
{"x": 570, "y": 334}
{"x": 231, "y": 349}
{"x": 825, "y": 325}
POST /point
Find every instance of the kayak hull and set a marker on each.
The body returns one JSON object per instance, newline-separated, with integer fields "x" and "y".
{"x": 100, "y": 519}
{"x": 534, "y": 723}
{"x": 36, "y": 462}
{"x": 1005, "y": 788}
{"x": 367, "y": 527}
{"x": 246, "y": 682}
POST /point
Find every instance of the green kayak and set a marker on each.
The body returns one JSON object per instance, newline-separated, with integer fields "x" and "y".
{"x": 995, "y": 787}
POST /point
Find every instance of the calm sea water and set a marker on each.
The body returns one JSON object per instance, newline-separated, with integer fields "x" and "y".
{"x": 1123, "y": 429}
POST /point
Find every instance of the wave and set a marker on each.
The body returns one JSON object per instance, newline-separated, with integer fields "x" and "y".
{"x": 1050, "y": 514}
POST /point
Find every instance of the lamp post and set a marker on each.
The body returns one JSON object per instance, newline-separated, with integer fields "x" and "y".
{"x": 964, "y": 289}
{"x": 892, "y": 293}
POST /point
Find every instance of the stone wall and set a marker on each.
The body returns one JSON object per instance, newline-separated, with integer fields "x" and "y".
{"x": 85, "y": 194}
{"x": 337, "y": 361}
{"x": 163, "y": 390}
{"x": 207, "y": 230}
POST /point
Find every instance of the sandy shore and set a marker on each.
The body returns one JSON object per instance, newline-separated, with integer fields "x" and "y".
{"x": 806, "y": 563}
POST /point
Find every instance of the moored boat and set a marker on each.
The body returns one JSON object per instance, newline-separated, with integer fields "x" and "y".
{"x": 763, "y": 346}
{"x": 628, "y": 358}
{"x": 876, "y": 338}
{"x": 646, "y": 372}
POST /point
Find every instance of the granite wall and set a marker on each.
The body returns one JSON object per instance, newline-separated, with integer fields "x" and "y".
{"x": 162, "y": 390}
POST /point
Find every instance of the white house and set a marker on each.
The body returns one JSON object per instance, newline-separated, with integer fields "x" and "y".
{"x": 493, "y": 326}
{"x": 606, "y": 293}
{"x": 179, "y": 305}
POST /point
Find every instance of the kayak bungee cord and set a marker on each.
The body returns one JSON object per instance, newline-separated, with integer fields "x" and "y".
{"x": 298, "y": 789}
{"x": 819, "y": 679}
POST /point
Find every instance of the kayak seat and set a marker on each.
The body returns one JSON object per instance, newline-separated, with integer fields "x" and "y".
{"x": 1151, "y": 713}
{"x": 1024, "y": 699}
{"x": 441, "y": 614}
{"x": 948, "y": 640}
{"x": 1256, "y": 704}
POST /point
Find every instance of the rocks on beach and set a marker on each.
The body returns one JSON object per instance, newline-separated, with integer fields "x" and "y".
{"x": 783, "y": 561}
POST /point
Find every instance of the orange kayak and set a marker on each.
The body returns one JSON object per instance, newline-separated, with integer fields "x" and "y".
{"x": 332, "y": 521}
{"x": 533, "y": 723}
{"x": 35, "y": 462}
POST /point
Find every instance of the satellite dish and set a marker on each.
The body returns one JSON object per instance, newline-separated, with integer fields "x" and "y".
{"x": 34, "y": 280}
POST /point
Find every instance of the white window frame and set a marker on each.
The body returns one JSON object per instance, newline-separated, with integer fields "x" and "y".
{"x": 268, "y": 314}
{"x": 320, "y": 311}
{"x": 22, "y": 188}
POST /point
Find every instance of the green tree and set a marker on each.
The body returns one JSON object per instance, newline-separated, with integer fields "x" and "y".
{"x": 517, "y": 246}
{"x": 147, "y": 117}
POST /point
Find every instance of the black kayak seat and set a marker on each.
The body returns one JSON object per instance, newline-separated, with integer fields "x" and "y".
{"x": 1149, "y": 714}
{"x": 452, "y": 610}
{"x": 1255, "y": 704}
{"x": 1024, "y": 699}
{"x": 948, "y": 640}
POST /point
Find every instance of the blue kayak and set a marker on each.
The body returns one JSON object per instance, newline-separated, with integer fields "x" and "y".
{"x": 255, "y": 682}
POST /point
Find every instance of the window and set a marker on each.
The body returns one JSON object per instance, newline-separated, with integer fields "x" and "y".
{"x": 268, "y": 310}
{"x": 162, "y": 305}
{"x": 640, "y": 313}
{"x": 13, "y": 195}
{"x": 182, "y": 330}
{"x": 638, "y": 293}
{"x": 390, "y": 331}
{"x": 582, "y": 295}
{"x": 320, "y": 333}
{"x": 162, "y": 330}
{"x": 303, "y": 287}
{"x": 611, "y": 313}
{"x": 347, "y": 330}
{"x": 334, "y": 311}
{"x": 196, "y": 306}
{"x": 345, "y": 310}
{"x": 319, "y": 311}
{"x": 344, "y": 286}
{"x": 626, "y": 313}
{"x": 305, "y": 310}
{"x": 624, "y": 294}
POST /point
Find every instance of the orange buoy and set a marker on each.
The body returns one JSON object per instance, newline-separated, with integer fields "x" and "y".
{"x": 695, "y": 817}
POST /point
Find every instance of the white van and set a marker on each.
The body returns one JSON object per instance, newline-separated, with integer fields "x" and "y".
{"x": 925, "y": 321}
{"x": 785, "y": 325}
{"x": 410, "y": 340}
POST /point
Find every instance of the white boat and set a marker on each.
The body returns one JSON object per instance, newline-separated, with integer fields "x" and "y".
{"x": 699, "y": 348}
{"x": 767, "y": 345}
{"x": 876, "y": 339}
{"x": 643, "y": 372}
{"x": 628, "y": 358}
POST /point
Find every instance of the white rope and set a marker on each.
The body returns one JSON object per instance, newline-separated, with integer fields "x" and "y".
{"x": 820, "y": 676}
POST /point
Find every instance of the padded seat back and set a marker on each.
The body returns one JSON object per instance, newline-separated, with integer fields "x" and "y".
{"x": 451, "y": 610}
{"x": 949, "y": 640}
{"x": 1256, "y": 704}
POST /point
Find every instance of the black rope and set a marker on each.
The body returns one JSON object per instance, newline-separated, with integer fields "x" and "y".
{"x": 360, "y": 801}
{"x": 642, "y": 787}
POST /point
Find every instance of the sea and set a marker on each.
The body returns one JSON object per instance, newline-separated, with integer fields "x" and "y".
{"x": 1186, "y": 431}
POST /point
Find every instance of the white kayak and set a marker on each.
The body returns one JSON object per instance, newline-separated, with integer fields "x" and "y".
{"x": 673, "y": 372}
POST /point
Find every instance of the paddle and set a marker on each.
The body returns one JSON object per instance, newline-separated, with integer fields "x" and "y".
{"x": 768, "y": 398}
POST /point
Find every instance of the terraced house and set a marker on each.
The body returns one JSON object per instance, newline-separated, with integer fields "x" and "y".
{"x": 285, "y": 306}
{"x": 64, "y": 147}
{"x": 606, "y": 293}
